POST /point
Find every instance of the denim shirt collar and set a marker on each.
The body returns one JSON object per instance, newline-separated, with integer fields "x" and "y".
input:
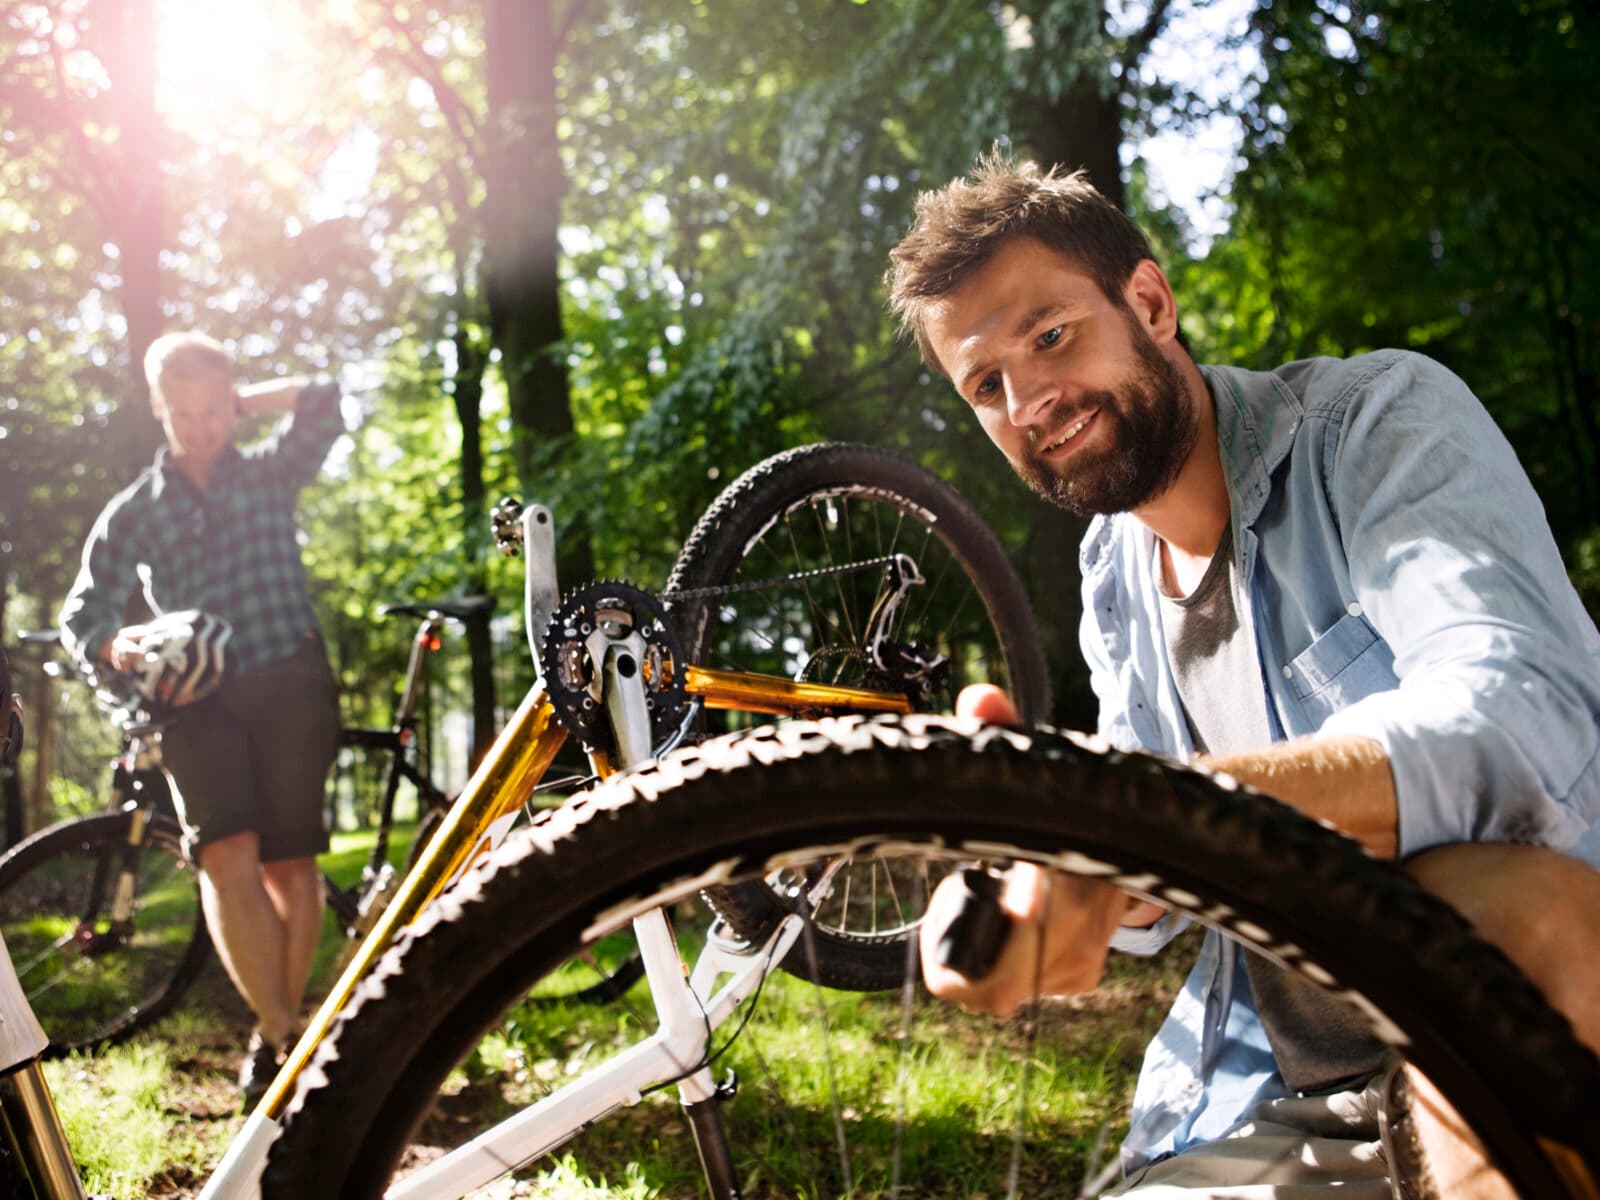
{"x": 1257, "y": 419}
{"x": 1258, "y": 416}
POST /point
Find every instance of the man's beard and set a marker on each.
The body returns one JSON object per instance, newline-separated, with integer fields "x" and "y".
{"x": 1153, "y": 429}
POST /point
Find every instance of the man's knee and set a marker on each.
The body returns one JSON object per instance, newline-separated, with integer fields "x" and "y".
{"x": 293, "y": 873}
{"x": 1539, "y": 906}
{"x": 230, "y": 859}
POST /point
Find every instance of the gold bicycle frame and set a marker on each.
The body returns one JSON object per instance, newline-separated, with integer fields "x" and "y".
{"x": 504, "y": 780}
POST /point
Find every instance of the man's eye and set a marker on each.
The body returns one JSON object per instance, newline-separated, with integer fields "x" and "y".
{"x": 1050, "y": 336}
{"x": 988, "y": 385}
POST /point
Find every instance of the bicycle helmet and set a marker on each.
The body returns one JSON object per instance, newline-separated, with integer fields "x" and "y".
{"x": 181, "y": 657}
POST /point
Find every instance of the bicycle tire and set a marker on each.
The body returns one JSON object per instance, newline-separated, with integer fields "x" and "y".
{"x": 763, "y": 506}
{"x": 1224, "y": 855}
{"x": 98, "y": 987}
{"x": 614, "y": 965}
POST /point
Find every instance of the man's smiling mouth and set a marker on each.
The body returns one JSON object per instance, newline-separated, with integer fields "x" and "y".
{"x": 1070, "y": 432}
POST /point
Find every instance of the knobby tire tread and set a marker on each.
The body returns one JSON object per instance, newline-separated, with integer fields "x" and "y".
{"x": 1474, "y": 1024}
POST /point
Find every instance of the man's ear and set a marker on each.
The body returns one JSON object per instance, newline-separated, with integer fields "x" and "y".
{"x": 1149, "y": 295}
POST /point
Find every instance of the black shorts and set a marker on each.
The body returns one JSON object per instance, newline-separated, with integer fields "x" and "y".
{"x": 253, "y": 757}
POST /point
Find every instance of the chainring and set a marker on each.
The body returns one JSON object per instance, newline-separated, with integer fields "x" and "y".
{"x": 572, "y": 670}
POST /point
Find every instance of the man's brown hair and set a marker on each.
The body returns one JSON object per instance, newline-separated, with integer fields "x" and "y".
{"x": 960, "y": 226}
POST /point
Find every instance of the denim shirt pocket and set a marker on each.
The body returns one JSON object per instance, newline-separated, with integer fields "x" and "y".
{"x": 1347, "y": 661}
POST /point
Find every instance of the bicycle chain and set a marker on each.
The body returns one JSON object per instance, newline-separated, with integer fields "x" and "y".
{"x": 758, "y": 585}
{"x": 569, "y": 669}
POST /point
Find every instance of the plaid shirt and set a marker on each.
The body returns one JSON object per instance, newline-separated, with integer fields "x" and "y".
{"x": 232, "y": 550}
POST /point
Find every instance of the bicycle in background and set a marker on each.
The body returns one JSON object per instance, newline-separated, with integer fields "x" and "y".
{"x": 102, "y": 913}
{"x": 35, "y": 1158}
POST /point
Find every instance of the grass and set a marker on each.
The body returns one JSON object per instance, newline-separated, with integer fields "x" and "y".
{"x": 937, "y": 1097}
{"x": 114, "y": 1110}
{"x": 152, "y": 1117}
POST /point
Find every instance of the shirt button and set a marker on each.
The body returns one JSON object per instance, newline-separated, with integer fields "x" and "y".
{"x": 1353, "y": 609}
{"x": 1288, "y": 671}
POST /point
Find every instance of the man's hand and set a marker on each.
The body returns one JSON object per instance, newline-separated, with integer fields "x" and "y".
{"x": 987, "y": 703}
{"x": 1061, "y": 925}
{"x": 121, "y": 650}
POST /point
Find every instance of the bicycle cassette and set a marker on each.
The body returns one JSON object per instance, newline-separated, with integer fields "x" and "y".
{"x": 590, "y": 620}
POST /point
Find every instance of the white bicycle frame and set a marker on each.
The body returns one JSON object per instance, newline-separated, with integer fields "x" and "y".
{"x": 688, "y": 1010}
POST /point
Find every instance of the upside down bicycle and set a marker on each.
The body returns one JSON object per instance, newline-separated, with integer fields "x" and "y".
{"x": 771, "y": 849}
{"x": 744, "y": 863}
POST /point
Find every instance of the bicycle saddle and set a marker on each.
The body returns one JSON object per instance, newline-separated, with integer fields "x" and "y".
{"x": 463, "y": 609}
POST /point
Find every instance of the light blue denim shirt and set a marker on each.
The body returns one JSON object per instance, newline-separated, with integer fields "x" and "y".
{"x": 1402, "y": 585}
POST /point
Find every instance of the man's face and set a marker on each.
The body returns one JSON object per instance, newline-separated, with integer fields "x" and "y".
{"x": 1067, "y": 383}
{"x": 198, "y": 414}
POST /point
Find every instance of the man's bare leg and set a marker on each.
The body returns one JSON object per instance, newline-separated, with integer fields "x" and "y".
{"x": 248, "y": 930}
{"x": 295, "y": 887}
{"x": 1542, "y": 909}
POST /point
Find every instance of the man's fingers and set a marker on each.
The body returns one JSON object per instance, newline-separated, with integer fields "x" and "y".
{"x": 987, "y": 703}
{"x": 1067, "y": 919}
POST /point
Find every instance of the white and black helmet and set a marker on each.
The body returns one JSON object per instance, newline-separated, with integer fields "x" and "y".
{"x": 181, "y": 657}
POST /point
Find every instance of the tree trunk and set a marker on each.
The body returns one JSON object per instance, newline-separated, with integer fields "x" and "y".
{"x": 41, "y": 739}
{"x": 470, "y": 363}
{"x": 10, "y": 778}
{"x": 525, "y": 187}
{"x": 1083, "y": 129}
{"x": 135, "y": 225}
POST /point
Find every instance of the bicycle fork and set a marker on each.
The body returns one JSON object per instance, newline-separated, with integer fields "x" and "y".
{"x": 688, "y": 1012}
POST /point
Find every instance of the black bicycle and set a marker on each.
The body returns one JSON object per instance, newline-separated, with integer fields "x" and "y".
{"x": 102, "y": 913}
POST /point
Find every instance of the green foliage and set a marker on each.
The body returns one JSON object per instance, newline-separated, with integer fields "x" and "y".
{"x": 1420, "y": 175}
{"x": 738, "y": 178}
{"x": 734, "y": 175}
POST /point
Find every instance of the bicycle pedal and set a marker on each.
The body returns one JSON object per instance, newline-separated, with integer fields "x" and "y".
{"x": 728, "y": 1088}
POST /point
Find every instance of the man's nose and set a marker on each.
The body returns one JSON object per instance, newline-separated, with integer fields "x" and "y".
{"x": 1030, "y": 396}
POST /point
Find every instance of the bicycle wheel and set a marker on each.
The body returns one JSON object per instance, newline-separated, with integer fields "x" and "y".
{"x": 603, "y": 973}
{"x": 418, "y": 1035}
{"x": 832, "y": 507}
{"x": 90, "y": 979}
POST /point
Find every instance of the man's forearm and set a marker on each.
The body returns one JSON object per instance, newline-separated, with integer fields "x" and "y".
{"x": 272, "y": 395}
{"x": 1345, "y": 781}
